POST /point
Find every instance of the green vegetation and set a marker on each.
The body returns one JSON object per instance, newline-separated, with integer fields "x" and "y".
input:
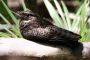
{"x": 14, "y": 28}
{"x": 62, "y": 19}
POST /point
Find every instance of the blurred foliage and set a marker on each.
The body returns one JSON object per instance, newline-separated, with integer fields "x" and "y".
{"x": 62, "y": 19}
{"x": 5, "y": 12}
{"x": 13, "y": 31}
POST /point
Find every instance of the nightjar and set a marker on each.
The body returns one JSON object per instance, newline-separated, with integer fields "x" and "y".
{"x": 37, "y": 29}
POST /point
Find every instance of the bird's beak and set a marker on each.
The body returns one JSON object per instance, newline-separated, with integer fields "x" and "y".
{"x": 16, "y": 14}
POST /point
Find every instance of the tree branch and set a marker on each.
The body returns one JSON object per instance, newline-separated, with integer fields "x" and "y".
{"x": 22, "y": 47}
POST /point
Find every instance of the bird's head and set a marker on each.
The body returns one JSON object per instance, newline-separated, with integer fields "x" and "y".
{"x": 25, "y": 15}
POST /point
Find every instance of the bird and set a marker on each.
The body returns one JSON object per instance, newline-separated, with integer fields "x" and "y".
{"x": 38, "y": 29}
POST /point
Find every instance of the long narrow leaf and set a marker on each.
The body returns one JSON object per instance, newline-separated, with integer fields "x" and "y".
{"x": 61, "y": 13}
{"x": 2, "y": 26}
{"x": 5, "y": 20}
{"x": 23, "y": 5}
{"x": 12, "y": 34}
{"x": 83, "y": 27}
{"x": 53, "y": 13}
{"x": 9, "y": 12}
{"x": 6, "y": 35}
{"x": 77, "y": 19}
{"x": 66, "y": 15}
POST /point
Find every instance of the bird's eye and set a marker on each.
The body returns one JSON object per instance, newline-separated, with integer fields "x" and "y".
{"x": 26, "y": 16}
{"x": 31, "y": 14}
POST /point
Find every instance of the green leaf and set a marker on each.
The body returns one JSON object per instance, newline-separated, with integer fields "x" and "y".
{"x": 53, "y": 13}
{"x": 16, "y": 30}
{"x": 2, "y": 34}
{"x": 83, "y": 28}
{"x": 10, "y": 32}
{"x": 76, "y": 21}
{"x": 9, "y": 12}
{"x": 23, "y": 5}
{"x": 5, "y": 20}
{"x": 59, "y": 9}
{"x": 66, "y": 15}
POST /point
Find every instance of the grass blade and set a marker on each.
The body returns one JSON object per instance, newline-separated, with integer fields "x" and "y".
{"x": 6, "y": 35}
{"x": 61, "y": 13}
{"x": 9, "y": 12}
{"x": 53, "y": 13}
{"x": 5, "y": 20}
{"x": 10, "y": 32}
{"x": 83, "y": 28}
{"x": 23, "y": 5}
{"x": 66, "y": 15}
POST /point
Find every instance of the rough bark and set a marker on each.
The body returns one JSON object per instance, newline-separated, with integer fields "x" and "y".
{"x": 21, "y": 49}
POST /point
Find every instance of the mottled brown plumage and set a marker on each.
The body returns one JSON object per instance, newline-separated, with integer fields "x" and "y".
{"x": 38, "y": 29}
